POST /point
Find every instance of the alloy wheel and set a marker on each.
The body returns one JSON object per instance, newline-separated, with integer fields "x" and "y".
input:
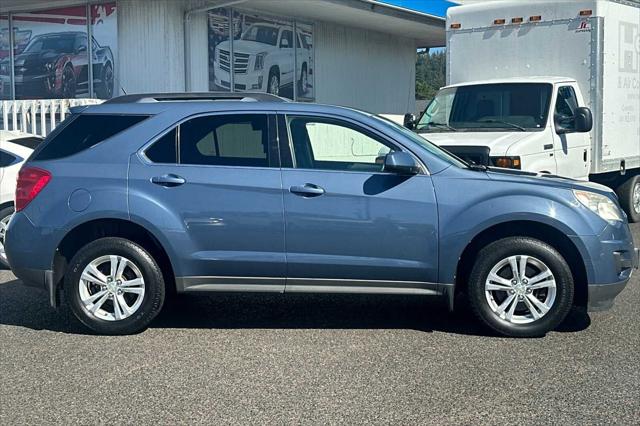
{"x": 520, "y": 289}
{"x": 111, "y": 288}
{"x": 635, "y": 201}
{"x": 4, "y": 222}
{"x": 274, "y": 85}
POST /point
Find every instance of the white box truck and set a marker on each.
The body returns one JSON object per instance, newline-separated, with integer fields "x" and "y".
{"x": 544, "y": 86}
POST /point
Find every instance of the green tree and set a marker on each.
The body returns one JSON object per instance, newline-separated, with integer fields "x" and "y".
{"x": 430, "y": 73}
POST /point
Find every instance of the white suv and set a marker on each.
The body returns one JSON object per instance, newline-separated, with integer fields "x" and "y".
{"x": 263, "y": 60}
{"x": 15, "y": 148}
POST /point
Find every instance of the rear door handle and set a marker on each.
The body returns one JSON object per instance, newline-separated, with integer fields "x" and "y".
{"x": 169, "y": 180}
{"x": 307, "y": 190}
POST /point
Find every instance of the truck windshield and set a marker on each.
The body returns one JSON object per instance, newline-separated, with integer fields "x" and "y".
{"x": 488, "y": 107}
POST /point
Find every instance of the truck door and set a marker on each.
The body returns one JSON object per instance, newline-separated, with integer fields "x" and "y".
{"x": 571, "y": 149}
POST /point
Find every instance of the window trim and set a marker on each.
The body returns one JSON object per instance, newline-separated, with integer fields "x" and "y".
{"x": 286, "y": 147}
{"x": 271, "y": 141}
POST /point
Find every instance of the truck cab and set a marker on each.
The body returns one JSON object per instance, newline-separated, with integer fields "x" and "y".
{"x": 545, "y": 87}
{"x": 536, "y": 124}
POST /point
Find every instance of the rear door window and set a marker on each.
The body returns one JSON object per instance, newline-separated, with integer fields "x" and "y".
{"x": 84, "y": 132}
{"x": 226, "y": 140}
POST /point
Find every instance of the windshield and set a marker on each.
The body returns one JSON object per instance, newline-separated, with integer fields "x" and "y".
{"x": 423, "y": 143}
{"x": 59, "y": 44}
{"x": 261, "y": 34}
{"x": 488, "y": 107}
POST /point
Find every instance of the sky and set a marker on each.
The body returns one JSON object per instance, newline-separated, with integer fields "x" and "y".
{"x": 434, "y": 7}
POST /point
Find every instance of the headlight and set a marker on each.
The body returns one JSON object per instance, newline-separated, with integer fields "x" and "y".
{"x": 506, "y": 162}
{"x": 259, "y": 61}
{"x": 600, "y": 205}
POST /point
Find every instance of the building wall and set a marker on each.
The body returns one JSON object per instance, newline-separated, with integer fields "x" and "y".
{"x": 151, "y": 45}
{"x": 364, "y": 69}
{"x": 354, "y": 67}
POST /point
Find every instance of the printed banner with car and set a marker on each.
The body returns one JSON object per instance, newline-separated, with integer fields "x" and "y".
{"x": 52, "y": 52}
{"x": 260, "y": 54}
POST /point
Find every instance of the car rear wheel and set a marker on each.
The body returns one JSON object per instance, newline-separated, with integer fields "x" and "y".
{"x": 5, "y": 216}
{"x": 521, "y": 287}
{"x": 114, "y": 286}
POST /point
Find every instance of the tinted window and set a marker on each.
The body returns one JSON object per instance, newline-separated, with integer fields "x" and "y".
{"x": 332, "y": 145}
{"x": 85, "y": 131}
{"x": 164, "y": 149}
{"x": 6, "y": 159}
{"x": 227, "y": 140}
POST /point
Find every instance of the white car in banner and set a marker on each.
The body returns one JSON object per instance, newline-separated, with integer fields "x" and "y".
{"x": 263, "y": 60}
{"x": 15, "y": 148}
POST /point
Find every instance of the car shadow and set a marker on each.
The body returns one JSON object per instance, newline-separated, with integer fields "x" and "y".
{"x": 28, "y": 307}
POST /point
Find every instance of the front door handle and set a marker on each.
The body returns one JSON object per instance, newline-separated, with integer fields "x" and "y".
{"x": 170, "y": 180}
{"x": 307, "y": 190}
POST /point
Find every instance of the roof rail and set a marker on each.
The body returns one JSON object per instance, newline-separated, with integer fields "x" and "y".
{"x": 195, "y": 96}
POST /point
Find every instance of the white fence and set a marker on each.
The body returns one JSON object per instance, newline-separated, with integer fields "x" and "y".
{"x": 37, "y": 117}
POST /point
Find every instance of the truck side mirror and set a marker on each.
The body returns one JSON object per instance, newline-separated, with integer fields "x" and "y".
{"x": 409, "y": 121}
{"x": 401, "y": 163}
{"x": 583, "y": 120}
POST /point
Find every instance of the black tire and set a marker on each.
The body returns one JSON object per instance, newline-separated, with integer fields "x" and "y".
{"x": 495, "y": 252}
{"x": 5, "y": 213}
{"x": 273, "y": 74}
{"x": 68, "y": 89}
{"x": 105, "y": 88}
{"x": 152, "y": 300}
{"x": 302, "y": 87}
{"x": 625, "y": 195}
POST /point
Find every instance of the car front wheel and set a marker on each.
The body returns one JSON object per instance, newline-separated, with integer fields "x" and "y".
{"x": 114, "y": 286}
{"x": 521, "y": 287}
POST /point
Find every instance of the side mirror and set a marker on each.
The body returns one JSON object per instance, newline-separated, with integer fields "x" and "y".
{"x": 583, "y": 120}
{"x": 81, "y": 49}
{"x": 284, "y": 43}
{"x": 409, "y": 121}
{"x": 401, "y": 163}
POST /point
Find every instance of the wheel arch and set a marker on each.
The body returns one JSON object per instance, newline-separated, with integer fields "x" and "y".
{"x": 525, "y": 228}
{"x": 91, "y": 230}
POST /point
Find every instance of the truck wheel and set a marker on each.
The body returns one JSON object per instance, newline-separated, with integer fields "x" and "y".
{"x": 303, "y": 84}
{"x": 629, "y": 195}
{"x": 114, "y": 286}
{"x": 520, "y": 287}
{"x": 273, "y": 83}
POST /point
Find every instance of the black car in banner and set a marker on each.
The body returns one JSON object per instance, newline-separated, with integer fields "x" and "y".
{"x": 55, "y": 65}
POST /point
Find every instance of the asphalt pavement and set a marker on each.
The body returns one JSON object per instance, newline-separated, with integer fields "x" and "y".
{"x": 313, "y": 359}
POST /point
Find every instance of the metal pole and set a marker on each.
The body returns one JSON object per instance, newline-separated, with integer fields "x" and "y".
{"x": 90, "y": 51}
{"x": 12, "y": 72}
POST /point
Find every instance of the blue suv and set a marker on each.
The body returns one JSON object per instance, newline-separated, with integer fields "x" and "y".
{"x": 146, "y": 195}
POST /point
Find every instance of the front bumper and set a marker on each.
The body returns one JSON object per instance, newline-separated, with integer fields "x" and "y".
{"x": 601, "y": 296}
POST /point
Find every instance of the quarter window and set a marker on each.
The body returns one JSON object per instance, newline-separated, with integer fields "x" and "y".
{"x": 164, "y": 150}
{"x": 333, "y": 145}
{"x": 6, "y": 159}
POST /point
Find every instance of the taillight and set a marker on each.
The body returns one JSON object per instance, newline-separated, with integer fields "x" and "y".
{"x": 31, "y": 180}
